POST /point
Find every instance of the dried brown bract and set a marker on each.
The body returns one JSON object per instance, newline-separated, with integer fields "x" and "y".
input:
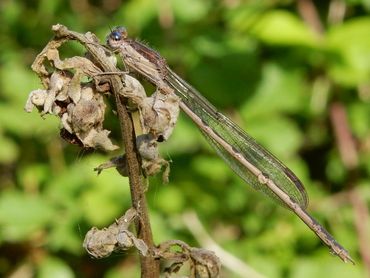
{"x": 203, "y": 263}
{"x": 71, "y": 94}
{"x": 115, "y": 238}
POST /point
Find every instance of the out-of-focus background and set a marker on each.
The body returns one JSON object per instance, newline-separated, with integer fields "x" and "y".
{"x": 294, "y": 74}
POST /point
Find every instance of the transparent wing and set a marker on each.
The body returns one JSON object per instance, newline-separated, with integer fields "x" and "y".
{"x": 242, "y": 143}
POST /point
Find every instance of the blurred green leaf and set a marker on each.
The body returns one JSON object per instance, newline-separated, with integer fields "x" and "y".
{"x": 105, "y": 200}
{"x": 22, "y": 215}
{"x": 130, "y": 270}
{"x": 257, "y": 61}
{"x": 280, "y": 134}
{"x": 184, "y": 139}
{"x": 359, "y": 117}
{"x": 335, "y": 169}
{"x": 16, "y": 120}
{"x": 161, "y": 226}
{"x": 229, "y": 79}
{"x": 280, "y": 90}
{"x": 240, "y": 18}
{"x": 209, "y": 46}
{"x": 265, "y": 265}
{"x": 211, "y": 167}
{"x": 66, "y": 233}
{"x": 279, "y": 27}
{"x": 190, "y": 10}
{"x": 324, "y": 265}
{"x": 33, "y": 176}
{"x": 136, "y": 14}
{"x": 11, "y": 74}
{"x": 49, "y": 8}
{"x": 54, "y": 267}
{"x": 350, "y": 45}
{"x": 8, "y": 150}
{"x": 237, "y": 198}
{"x": 170, "y": 200}
{"x": 10, "y": 11}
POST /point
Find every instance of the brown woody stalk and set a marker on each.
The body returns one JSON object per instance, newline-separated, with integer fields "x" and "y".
{"x": 149, "y": 266}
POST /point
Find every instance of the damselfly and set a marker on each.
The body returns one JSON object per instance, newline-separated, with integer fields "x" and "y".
{"x": 241, "y": 152}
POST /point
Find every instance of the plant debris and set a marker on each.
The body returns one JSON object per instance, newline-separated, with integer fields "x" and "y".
{"x": 115, "y": 238}
{"x": 75, "y": 90}
{"x": 203, "y": 263}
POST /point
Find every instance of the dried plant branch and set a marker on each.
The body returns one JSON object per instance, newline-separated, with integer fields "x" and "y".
{"x": 203, "y": 263}
{"x": 80, "y": 107}
{"x": 149, "y": 265}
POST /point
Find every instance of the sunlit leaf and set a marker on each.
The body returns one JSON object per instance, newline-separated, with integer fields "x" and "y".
{"x": 136, "y": 14}
{"x": 280, "y": 27}
{"x": 17, "y": 121}
{"x": 17, "y": 81}
{"x": 190, "y": 10}
{"x": 350, "y": 44}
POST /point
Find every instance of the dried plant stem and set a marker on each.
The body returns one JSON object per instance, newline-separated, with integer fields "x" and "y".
{"x": 149, "y": 266}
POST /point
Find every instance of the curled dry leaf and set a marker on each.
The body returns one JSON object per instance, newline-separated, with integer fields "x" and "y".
{"x": 73, "y": 92}
{"x": 158, "y": 113}
{"x": 79, "y": 104}
{"x": 203, "y": 263}
{"x": 115, "y": 238}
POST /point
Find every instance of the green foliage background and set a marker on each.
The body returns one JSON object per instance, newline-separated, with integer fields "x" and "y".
{"x": 261, "y": 64}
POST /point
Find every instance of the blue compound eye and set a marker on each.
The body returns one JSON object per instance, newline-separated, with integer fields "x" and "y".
{"x": 116, "y": 35}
